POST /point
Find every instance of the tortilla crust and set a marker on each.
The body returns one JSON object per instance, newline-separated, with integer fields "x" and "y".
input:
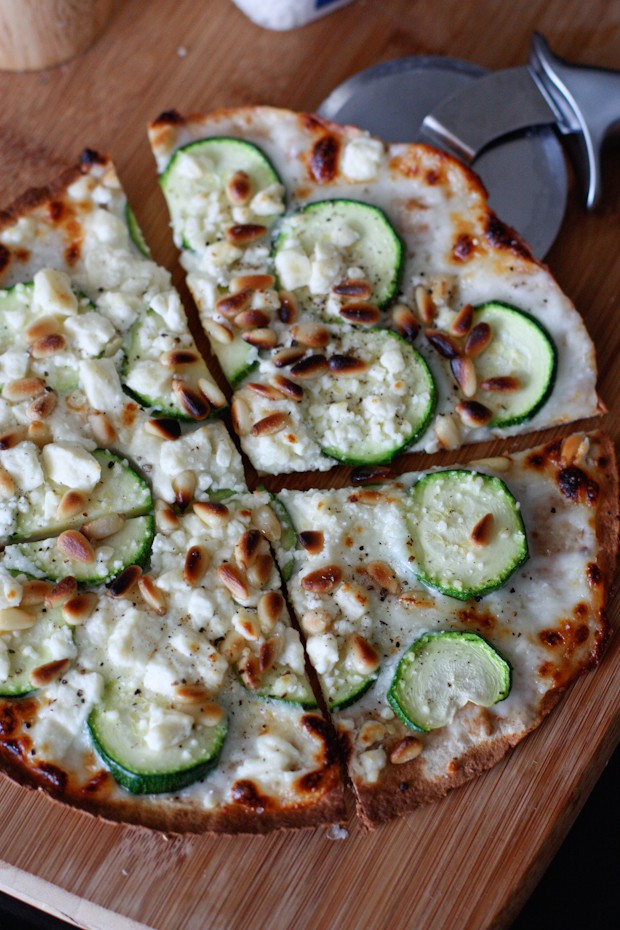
{"x": 405, "y": 787}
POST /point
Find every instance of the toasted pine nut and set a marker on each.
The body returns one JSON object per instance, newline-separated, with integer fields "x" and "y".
{"x": 184, "y": 487}
{"x": 48, "y": 345}
{"x": 263, "y": 390}
{"x": 443, "y": 344}
{"x": 76, "y": 547}
{"x": 233, "y": 580}
{"x": 79, "y": 608}
{"x": 362, "y": 655}
{"x": 248, "y": 548}
{"x": 252, "y": 319}
{"x": 7, "y": 485}
{"x": 192, "y": 402}
{"x": 270, "y": 608}
{"x": 246, "y": 623}
{"x": 211, "y": 714}
{"x": 311, "y": 367}
{"x": 447, "y": 431}
{"x": 312, "y": 541}
{"x": 233, "y": 304}
{"x": 288, "y": 388}
{"x": 405, "y": 322}
{"x": 197, "y": 561}
{"x": 44, "y": 326}
{"x": 360, "y": 314}
{"x": 46, "y": 674}
{"x": 313, "y": 335}
{"x": 245, "y": 233}
{"x": 570, "y": 448}
{"x": 283, "y": 358}
{"x": 271, "y": 424}
{"x": 483, "y": 530}
{"x": 102, "y": 527}
{"x": 212, "y": 513}
{"x": 218, "y": 331}
{"x": 254, "y": 282}
{"x": 478, "y": 340}
{"x": 13, "y": 619}
{"x": 384, "y": 575}
{"x": 34, "y": 592}
{"x": 265, "y": 520}
{"x": 407, "y": 750}
{"x": 474, "y": 414}
{"x": 164, "y": 428}
{"x": 503, "y": 384}
{"x": 12, "y": 438}
{"x": 39, "y": 433}
{"x": 239, "y": 188}
{"x": 497, "y": 463}
{"x": 464, "y": 373}
{"x": 357, "y": 289}
{"x": 241, "y": 417}
{"x": 153, "y": 595}
{"x": 288, "y": 310}
{"x": 165, "y": 518}
{"x": 178, "y": 358}
{"x": 191, "y": 694}
{"x": 347, "y": 366}
{"x": 71, "y": 503}
{"x": 124, "y": 583}
{"x": 322, "y": 580}
{"x": 263, "y": 337}
{"x": 61, "y": 592}
{"x": 42, "y": 407}
{"x": 425, "y": 304}
{"x": 260, "y": 570}
{"x": 23, "y": 389}
{"x": 232, "y": 646}
{"x": 463, "y": 321}
{"x": 211, "y": 391}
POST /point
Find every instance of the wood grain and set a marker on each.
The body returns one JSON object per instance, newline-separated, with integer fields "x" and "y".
{"x": 470, "y": 861}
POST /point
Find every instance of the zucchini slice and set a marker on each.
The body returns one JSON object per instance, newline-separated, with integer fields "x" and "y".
{"x": 520, "y": 350}
{"x": 467, "y": 533}
{"x": 149, "y": 379}
{"x": 59, "y": 371}
{"x": 151, "y": 747}
{"x": 130, "y": 546}
{"x": 194, "y": 185}
{"x": 120, "y": 490}
{"x": 323, "y": 240}
{"x": 237, "y": 359}
{"x": 22, "y": 651}
{"x": 135, "y": 233}
{"x": 288, "y": 539}
{"x": 441, "y": 672}
{"x": 369, "y": 419}
{"x": 288, "y": 688}
{"x": 350, "y": 688}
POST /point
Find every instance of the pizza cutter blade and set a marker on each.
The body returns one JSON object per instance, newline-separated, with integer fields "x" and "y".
{"x": 506, "y": 124}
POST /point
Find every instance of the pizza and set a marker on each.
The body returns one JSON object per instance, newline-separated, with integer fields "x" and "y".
{"x": 361, "y": 299}
{"x": 145, "y": 640}
{"x": 180, "y": 651}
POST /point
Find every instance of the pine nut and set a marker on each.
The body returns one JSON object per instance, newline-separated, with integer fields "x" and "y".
{"x": 312, "y": 541}
{"x": 34, "y": 592}
{"x": 254, "y": 282}
{"x": 124, "y": 583}
{"x": 353, "y": 288}
{"x": 447, "y": 432}
{"x": 165, "y": 518}
{"x": 39, "y": 433}
{"x": 7, "y": 485}
{"x": 233, "y": 580}
{"x": 313, "y": 335}
{"x": 197, "y": 561}
{"x": 61, "y": 592}
{"x": 288, "y": 310}
{"x": 265, "y": 520}
{"x": 360, "y": 314}
{"x": 102, "y": 429}
{"x": 464, "y": 373}
{"x": 211, "y": 392}
{"x": 248, "y": 548}
{"x": 232, "y": 646}
{"x": 212, "y": 513}
{"x": 71, "y": 503}
{"x": 463, "y": 321}
{"x": 322, "y": 580}
{"x": 239, "y": 188}
{"x": 288, "y": 388}
{"x": 47, "y": 346}
{"x": 316, "y": 621}
{"x": 245, "y": 233}
{"x": 233, "y": 304}
{"x": 44, "y": 326}
{"x": 191, "y": 694}
{"x": 153, "y": 595}
{"x": 23, "y": 389}
{"x": 483, "y": 530}
{"x": 13, "y": 619}
{"x": 362, "y": 655}
{"x": 384, "y": 575}
{"x": 241, "y": 417}
{"x": 274, "y": 423}
{"x": 478, "y": 340}
{"x": 405, "y": 322}
{"x": 288, "y": 356}
{"x": 192, "y": 402}
{"x": 407, "y": 750}
{"x": 443, "y": 344}
{"x": 263, "y": 337}
{"x": 79, "y": 608}
{"x": 164, "y": 428}
{"x": 260, "y": 570}
{"x": 42, "y": 407}
{"x": 474, "y": 414}
{"x": 179, "y": 358}
{"x": 252, "y": 319}
{"x": 184, "y": 487}
{"x": 75, "y": 546}
{"x": 270, "y": 608}
{"x": 46, "y": 674}
{"x": 218, "y": 331}
{"x": 425, "y": 304}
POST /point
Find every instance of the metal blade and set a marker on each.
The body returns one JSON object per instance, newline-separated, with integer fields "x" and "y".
{"x": 492, "y": 107}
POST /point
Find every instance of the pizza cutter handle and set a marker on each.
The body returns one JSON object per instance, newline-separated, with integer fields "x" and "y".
{"x": 586, "y": 101}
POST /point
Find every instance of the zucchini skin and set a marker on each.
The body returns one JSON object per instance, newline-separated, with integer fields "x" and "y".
{"x": 523, "y": 418}
{"x": 152, "y": 782}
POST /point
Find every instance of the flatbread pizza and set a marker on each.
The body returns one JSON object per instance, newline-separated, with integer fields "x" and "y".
{"x": 362, "y": 299}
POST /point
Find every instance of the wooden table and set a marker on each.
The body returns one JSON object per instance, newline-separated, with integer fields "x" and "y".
{"x": 470, "y": 861}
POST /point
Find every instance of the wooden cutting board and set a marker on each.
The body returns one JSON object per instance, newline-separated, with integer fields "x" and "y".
{"x": 470, "y": 861}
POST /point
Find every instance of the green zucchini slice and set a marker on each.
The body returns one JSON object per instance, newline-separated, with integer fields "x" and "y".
{"x": 22, "y": 651}
{"x": 150, "y": 381}
{"x": 135, "y": 737}
{"x": 130, "y": 546}
{"x": 278, "y": 685}
{"x": 441, "y": 672}
{"x": 194, "y": 185}
{"x": 350, "y": 687}
{"x": 120, "y": 490}
{"x": 522, "y": 351}
{"x": 237, "y": 359}
{"x": 467, "y": 533}
{"x": 135, "y": 233}
{"x": 371, "y": 418}
{"x": 318, "y": 234}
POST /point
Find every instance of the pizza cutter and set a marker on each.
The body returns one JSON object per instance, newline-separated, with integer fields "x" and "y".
{"x": 505, "y": 124}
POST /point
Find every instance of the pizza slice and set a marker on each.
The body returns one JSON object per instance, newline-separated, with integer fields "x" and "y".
{"x": 446, "y": 611}
{"x": 176, "y": 698}
{"x": 361, "y": 298}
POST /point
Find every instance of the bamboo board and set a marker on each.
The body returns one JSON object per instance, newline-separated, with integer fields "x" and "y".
{"x": 470, "y": 861}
